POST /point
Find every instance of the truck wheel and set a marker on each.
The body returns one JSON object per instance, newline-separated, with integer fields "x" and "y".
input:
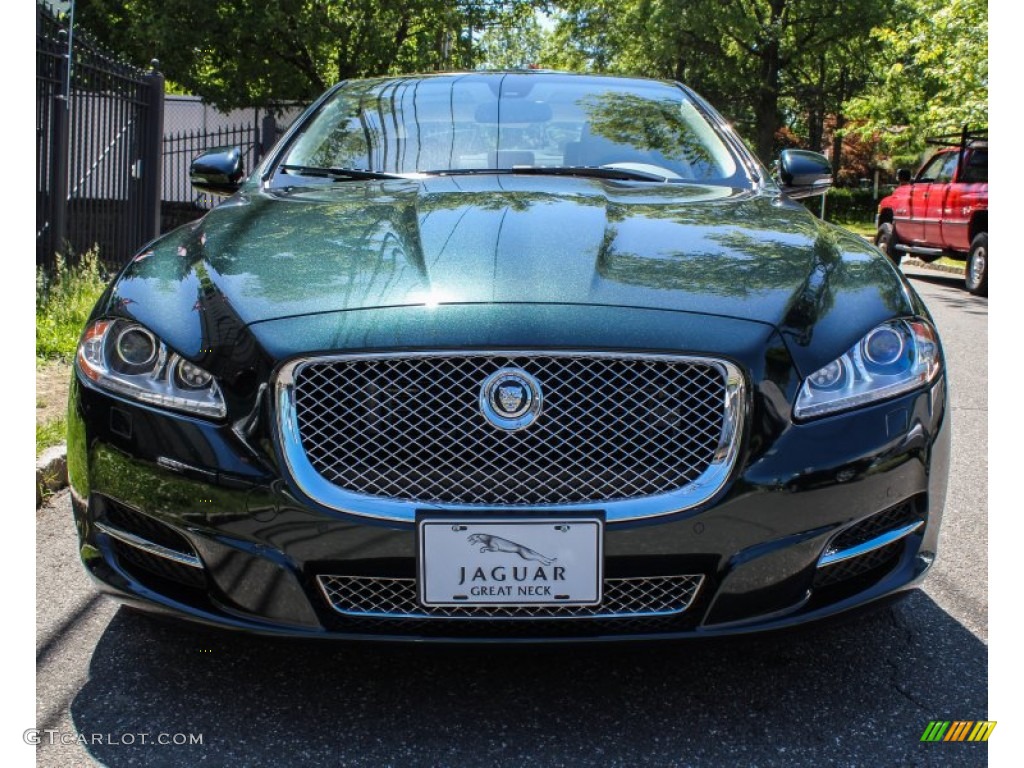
{"x": 885, "y": 239}
{"x": 976, "y": 273}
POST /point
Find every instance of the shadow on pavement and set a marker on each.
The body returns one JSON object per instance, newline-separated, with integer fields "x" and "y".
{"x": 860, "y": 693}
{"x": 955, "y": 295}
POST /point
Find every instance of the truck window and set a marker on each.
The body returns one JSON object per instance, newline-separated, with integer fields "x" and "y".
{"x": 976, "y": 170}
{"x": 948, "y": 169}
{"x": 932, "y": 169}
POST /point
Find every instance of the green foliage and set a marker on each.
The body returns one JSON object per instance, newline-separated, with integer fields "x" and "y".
{"x": 51, "y": 433}
{"x": 813, "y": 70}
{"x": 516, "y": 42}
{"x": 63, "y": 303}
{"x": 932, "y": 74}
{"x": 244, "y": 53}
{"x": 816, "y": 68}
{"x": 762, "y": 62}
{"x": 865, "y": 229}
{"x": 843, "y": 204}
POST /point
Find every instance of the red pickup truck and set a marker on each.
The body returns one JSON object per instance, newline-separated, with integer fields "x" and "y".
{"x": 943, "y": 211}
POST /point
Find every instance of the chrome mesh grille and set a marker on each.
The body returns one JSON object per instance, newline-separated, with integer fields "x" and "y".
{"x": 411, "y": 429}
{"x": 397, "y": 598}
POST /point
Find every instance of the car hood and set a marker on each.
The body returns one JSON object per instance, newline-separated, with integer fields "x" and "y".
{"x": 508, "y": 239}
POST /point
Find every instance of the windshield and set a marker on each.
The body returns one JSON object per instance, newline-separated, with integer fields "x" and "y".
{"x": 501, "y": 122}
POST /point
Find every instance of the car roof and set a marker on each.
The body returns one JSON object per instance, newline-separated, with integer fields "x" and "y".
{"x": 459, "y": 74}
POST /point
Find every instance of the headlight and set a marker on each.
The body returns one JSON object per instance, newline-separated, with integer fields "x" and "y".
{"x": 128, "y": 359}
{"x": 893, "y": 358}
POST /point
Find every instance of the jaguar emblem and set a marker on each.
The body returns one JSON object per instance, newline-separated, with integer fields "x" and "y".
{"x": 510, "y": 396}
{"x": 510, "y": 399}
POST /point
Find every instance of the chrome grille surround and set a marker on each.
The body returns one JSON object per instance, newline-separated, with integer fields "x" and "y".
{"x": 395, "y": 598}
{"x": 625, "y": 496}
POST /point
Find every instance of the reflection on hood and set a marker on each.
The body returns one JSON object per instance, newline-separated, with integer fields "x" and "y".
{"x": 511, "y": 239}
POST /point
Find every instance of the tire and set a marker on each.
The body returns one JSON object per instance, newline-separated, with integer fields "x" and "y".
{"x": 976, "y": 273}
{"x": 886, "y": 241}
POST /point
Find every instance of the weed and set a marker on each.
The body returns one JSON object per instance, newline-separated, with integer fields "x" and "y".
{"x": 51, "y": 433}
{"x": 63, "y": 303}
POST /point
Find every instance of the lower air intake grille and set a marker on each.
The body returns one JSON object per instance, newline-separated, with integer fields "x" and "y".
{"x": 367, "y": 596}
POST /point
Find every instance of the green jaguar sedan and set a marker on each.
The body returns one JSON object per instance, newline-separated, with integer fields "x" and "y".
{"x": 508, "y": 356}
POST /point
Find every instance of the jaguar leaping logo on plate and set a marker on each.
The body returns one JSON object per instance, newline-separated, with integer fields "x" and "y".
{"x": 490, "y": 543}
{"x": 510, "y": 399}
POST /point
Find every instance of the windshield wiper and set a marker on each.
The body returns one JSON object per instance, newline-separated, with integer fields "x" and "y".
{"x": 337, "y": 173}
{"x": 591, "y": 171}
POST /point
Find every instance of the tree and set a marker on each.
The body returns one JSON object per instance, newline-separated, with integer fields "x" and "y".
{"x": 747, "y": 56}
{"x": 254, "y": 52}
{"x": 817, "y": 68}
{"x": 516, "y": 42}
{"x": 821, "y": 84}
{"x": 931, "y": 74}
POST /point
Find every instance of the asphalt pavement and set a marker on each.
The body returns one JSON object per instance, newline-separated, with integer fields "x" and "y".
{"x": 121, "y": 689}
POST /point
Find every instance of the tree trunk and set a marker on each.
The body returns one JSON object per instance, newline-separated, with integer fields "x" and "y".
{"x": 816, "y": 113}
{"x": 837, "y": 145}
{"x": 837, "y": 135}
{"x": 766, "y": 105}
{"x": 815, "y": 128}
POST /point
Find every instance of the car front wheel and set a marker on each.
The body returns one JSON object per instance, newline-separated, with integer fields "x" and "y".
{"x": 976, "y": 274}
{"x": 885, "y": 239}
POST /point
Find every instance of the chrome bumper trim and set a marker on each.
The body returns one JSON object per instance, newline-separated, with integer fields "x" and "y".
{"x": 148, "y": 546}
{"x": 831, "y": 558}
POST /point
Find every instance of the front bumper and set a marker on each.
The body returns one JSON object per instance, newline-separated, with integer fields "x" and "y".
{"x": 259, "y": 548}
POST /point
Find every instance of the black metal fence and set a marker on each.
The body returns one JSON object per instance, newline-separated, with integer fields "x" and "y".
{"x": 106, "y": 176}
{"x": 51, "y": 73}
{"x": 182, "y": 203}
{"x": 99, "y": 124}
{"x": 193, "y": 128}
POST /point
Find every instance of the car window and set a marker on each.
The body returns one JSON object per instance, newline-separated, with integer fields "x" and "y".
{"x": 976, "y": 169}
{"x": 934, "y": 169}
{"x": 477, "y": 122}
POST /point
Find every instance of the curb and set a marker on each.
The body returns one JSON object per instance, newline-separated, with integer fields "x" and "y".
{"x": 936, "y": 267}
{"x": 912, "y": 262}
{"x": 51, "y": 472}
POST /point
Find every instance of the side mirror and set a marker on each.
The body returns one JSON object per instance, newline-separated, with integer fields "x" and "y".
{"x": 903, "y": 176}
{"x": 803, "y": 173}
{"x": 218, "y": 171}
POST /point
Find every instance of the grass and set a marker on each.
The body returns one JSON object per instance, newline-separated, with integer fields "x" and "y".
{"x": 51, "y": 433}
{"x": 867, "y": 229}
{"x": 63, "y": 303}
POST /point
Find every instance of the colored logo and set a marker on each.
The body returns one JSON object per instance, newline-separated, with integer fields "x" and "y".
{"x": 958, "y": 730}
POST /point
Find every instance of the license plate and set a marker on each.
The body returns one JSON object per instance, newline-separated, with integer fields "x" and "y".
{"x": 510, "y": 562}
